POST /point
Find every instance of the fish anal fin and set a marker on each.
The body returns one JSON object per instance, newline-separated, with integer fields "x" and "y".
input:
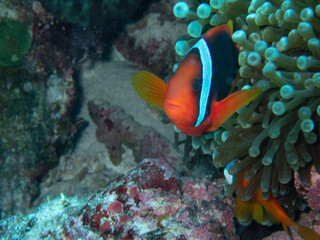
{"x": 150, "y": 88}
{"x": 221, "y": 111}
{"x": 269, "y": 219}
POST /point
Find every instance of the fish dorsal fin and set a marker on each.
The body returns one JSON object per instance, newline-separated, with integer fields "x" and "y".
{"x": 150, "y": 88}
{"x": 230, "y": 25}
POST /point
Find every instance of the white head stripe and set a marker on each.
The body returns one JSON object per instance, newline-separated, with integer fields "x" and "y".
{"x": 227, "y": 175}
{"x": 206, "y": 62}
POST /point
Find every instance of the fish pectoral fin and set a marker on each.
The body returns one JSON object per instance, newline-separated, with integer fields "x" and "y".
{"x": 210, "y": 129}
{"x": 150, "y": 88}
{"x": 221, "y": 111}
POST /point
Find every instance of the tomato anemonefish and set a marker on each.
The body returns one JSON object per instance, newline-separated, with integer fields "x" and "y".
{"x": 196, "y": 98}
{"x": 259, "y": 209}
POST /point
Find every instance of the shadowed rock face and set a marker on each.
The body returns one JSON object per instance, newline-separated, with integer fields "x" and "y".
{"x": 90, "y": 13}
{"x": 116, "y": 128}
{"x": 37, "y": 94}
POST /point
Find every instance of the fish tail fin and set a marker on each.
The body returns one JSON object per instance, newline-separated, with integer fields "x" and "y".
{"x": 150, "y": 88}
{"x": 230, "y": 26}
{"x": 221, "y": 111}
{"x": 305, "y": 232}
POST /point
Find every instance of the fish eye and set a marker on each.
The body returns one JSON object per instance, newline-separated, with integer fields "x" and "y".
{"x": 196, "y": 85}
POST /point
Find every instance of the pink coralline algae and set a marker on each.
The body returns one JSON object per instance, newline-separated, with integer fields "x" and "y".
{"x": 310, "y": 192}
{"x": 116, "y": 128}
{"x": 152, "y": 201}
{"x": 148, "y": 202}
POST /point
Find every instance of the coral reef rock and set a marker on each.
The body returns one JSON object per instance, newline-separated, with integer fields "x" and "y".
{"x": 148, "y": 202}
{"x": 151, "y": 40}
{"x": 311, "y": 192}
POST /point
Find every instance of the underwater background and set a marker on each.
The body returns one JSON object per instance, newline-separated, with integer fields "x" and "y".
{"x": 83, "y": 157}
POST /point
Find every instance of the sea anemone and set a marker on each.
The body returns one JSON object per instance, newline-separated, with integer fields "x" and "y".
{"x": 280, "y": 53}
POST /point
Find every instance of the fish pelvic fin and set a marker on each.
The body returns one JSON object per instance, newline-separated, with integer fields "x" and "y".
{"x": 150, "y": 88}
{"x": 221, "y": 111}
{"x": 305, "y": 232}
{"x": 288, "y": 231}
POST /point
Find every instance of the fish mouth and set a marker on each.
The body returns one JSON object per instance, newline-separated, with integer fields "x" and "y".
{"x": 174, "y": 106}
{"x": 179, "y": 114}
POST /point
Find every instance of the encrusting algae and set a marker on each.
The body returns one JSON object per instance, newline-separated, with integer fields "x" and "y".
{"x": 274, "y": 134}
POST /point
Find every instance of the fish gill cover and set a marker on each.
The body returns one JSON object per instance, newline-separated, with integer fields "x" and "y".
{"x": 277, "y": 134}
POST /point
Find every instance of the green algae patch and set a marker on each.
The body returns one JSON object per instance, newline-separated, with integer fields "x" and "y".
{"x": 15, "y": 41}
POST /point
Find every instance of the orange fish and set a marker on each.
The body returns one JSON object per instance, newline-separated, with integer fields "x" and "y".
{"x": 257, "y": 208}
{"x": 196, "y": 97}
